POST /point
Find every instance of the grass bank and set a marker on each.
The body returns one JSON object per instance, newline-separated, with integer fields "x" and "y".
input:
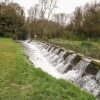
{"x": 91, "y": 49}
{"x": 19, "y": 80}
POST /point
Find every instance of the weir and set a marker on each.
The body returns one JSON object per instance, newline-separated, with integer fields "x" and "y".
{"x": 64, "y": 64}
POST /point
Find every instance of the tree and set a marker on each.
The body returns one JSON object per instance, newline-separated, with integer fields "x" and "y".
{"x": 11, "y": 19}
{"x": 91, "y": 22}
{"x": 60, "y": 20}
{"x": 77, "y": 20}
{"x": 85, "y": 22}
{"x": 39, "y": 16}
{"x": 46, "y": 8}
{"x": 33, "y": 13}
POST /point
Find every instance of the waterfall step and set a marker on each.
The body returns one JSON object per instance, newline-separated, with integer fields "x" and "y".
{"x": 64, "y": 64}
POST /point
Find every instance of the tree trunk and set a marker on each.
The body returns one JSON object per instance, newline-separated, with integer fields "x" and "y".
{"x": 41, "y": 34}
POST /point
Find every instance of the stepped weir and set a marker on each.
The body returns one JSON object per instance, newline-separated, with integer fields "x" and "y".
{"x": 65, "y": 64}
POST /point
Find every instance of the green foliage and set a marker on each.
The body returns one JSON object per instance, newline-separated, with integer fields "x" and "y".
{"x": 69, "y": 35}
{"x": 5, "y": 34}
{"x": 19, "y": 80}
{"x": 12, "y": 21}
{"x": 85, "y": 22}
{"x": 23, "y": 33}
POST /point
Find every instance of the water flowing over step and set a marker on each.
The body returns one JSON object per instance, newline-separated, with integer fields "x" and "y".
{"x": 63, "y": 64}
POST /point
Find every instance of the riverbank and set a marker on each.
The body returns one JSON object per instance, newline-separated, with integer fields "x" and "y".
{"x": 19, "y": 80}
{"x": 87, "y": 48}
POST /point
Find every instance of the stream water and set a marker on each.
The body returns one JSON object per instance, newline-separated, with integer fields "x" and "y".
{"x": 51, "y": 60}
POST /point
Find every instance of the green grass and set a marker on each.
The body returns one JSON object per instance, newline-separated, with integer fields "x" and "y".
{"x": 91, "y": 49}
{"x": 19, "y": 80}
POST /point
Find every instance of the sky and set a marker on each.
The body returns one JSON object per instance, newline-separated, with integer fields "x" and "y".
{"x": 64, "y": 6}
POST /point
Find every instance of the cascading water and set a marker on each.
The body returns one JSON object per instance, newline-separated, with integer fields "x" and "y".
{"x": 58, "y": 59}
{"x": 98, "y": 77}
{"x": 39, "y": 61}
{"x": 76, "y": 73}
{"x": 62, "y": 67}
{"x": 51, "y": 60}
{"x": 53, "y": 54}
{"x": 91, "y": 83}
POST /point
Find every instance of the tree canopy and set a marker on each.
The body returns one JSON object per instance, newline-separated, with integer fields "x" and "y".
{"x": 12, "y": 21}
{"x": 84, "y": 22}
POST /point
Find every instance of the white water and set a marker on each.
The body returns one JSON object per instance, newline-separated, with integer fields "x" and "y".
{"x": 90, "y": 84}
{"x": 76, "y": 73}
{"x": 50, "y": 60}
{"x": 62, "y": 67}
{"x": 39, "y": 60}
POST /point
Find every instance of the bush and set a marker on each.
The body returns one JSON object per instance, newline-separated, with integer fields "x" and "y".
{"x": 70, "y": 35}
